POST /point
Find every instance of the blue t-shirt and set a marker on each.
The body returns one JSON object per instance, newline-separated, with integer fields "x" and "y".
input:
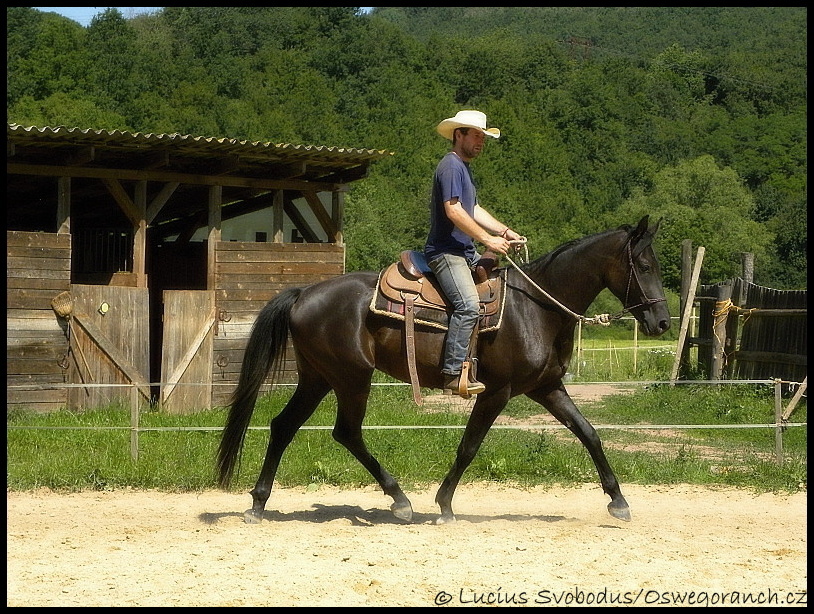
{"x": 453, "y": 179}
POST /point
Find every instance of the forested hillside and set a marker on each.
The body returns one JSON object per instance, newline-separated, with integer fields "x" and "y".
{"x": 694, "y": 114}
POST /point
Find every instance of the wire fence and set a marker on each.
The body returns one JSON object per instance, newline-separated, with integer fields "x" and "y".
{"x": 781, "y": 414}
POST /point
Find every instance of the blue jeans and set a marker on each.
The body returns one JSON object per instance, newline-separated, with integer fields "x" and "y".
{"x": 455, "y": 278}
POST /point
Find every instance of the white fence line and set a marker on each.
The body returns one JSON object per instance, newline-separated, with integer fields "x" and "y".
{"x": 134, "y": 428}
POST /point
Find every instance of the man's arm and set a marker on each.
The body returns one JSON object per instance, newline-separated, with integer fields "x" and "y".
{"x": 485, "y": 219}
{"x": 479, "y": 227}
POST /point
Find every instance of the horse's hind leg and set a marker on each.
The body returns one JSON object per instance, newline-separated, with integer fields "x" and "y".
{"x": 284, "y": 426}
{"x": 563, "y": 409}
{"x": 348, "y": 431}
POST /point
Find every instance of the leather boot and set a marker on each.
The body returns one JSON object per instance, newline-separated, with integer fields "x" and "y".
{"x": 452, "y": 385}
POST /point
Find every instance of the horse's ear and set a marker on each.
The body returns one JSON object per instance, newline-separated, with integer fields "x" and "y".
{"x": 655, "y": 228}
{"x": 642, "y": 236}
{"x": 640, "y": 230}
{"x": 642, "y": 227}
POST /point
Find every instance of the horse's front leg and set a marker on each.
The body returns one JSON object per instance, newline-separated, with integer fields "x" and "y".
{"x": 559, "y": 403}
{"x": 487, "y": 407}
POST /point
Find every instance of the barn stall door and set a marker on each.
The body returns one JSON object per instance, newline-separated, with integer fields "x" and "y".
{"x": 186, "y": 363}
{"x": 109, "y": 328}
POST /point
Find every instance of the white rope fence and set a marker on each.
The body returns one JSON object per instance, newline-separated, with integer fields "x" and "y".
{"x": 135, "y": 428}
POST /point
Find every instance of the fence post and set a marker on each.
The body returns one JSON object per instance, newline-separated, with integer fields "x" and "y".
{"x": 720, "y": 315}
{"x": 579, "y": 346}
{"x": 687, "y": 315}
{"x": 686, "y": 274}
{"x": 778, "y": 421}
{"x": 134, "y": 419}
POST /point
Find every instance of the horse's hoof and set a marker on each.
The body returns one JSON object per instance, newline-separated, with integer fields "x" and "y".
{"x": 402, "y": 511}
{"x": 619, "y": 511}
{"x": 250, "y": 517}
{"x": 446, "y": 519}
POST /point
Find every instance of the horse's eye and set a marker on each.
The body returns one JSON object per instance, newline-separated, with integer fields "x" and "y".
{"x": 644, "y": 268}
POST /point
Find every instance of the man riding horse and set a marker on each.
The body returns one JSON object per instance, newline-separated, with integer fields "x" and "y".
{"x": 457, "y": 220}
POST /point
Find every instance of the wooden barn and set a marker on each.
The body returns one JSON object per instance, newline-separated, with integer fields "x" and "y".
{"x": 144, "y": 258}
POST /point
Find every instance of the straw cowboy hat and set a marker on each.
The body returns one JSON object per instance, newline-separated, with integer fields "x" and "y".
{"x": 466, "y": 119}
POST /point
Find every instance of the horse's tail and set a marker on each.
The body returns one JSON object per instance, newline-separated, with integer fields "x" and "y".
{"x": 264, "y": 351}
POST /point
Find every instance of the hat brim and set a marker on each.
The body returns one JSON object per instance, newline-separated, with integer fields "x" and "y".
{"x": 448, "y": 126}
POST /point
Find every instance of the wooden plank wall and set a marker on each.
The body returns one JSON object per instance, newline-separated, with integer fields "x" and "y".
{"x": 774, "y": 337}
{"x": 765, "y": 333}
{"x": 38, "y": 266}
{"x": 248, "y": 275}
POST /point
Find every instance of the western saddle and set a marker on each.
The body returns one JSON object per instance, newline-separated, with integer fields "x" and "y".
{"x": 409, "y": 286}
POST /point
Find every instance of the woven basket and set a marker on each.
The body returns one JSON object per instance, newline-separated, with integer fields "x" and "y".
{"x": 62, "y": 304}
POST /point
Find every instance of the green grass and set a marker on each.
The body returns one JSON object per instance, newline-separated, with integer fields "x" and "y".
{"x": 615, "y": 360}
{"x": 173, "y": 460}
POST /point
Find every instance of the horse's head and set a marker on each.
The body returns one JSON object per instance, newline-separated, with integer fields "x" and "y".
{"x": 638, "y": 282}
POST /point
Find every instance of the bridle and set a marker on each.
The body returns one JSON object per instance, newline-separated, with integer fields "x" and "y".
{"x": 634, "y": 274}
{"x": 603, "y": 318}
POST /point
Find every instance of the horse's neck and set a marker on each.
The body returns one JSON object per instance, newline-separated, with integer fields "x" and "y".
{"x": 576, "y": 276}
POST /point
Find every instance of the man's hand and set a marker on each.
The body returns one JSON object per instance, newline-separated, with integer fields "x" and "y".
{"x": 497, "y": 244}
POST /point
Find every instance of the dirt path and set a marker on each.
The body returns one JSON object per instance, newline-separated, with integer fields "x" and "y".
{"x": 329, "y": 547}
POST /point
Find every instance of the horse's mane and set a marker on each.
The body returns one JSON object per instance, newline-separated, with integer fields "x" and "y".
{"x": 544, "y": 260}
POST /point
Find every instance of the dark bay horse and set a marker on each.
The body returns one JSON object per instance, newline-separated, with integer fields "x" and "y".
{"x": 339, "y": 342}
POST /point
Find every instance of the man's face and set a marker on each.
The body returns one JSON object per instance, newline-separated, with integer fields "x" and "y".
{"x": 472, "y": 143}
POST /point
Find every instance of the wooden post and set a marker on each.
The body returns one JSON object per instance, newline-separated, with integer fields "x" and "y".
{"x": 579, "y": 346}
{"x": 338, "y": 214}
{"x": 748, "y": 266}
{"x": 778, "y": 421}
{"x": 748, "y": 274}
{"x": 801, "y": 389}
{"x": 140, "y": 235}
{"x": 686, "y": 275}
{"x": 737, "y": 296}
{"x": 278, "y": 235}
{"x": 687, "y": 315}
{"x": 214, "y": 234}
{"x": 134, "y": 420}
{"x": 719, "y": 329}
{"x": 635, "y": 344}
{"x": 64, "y": 206}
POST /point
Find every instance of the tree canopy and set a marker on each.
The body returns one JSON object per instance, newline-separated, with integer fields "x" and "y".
{"x": 694, "y": 114}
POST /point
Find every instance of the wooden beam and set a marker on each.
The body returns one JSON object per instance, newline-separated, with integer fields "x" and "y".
{"x": 123, "y": 199}
{"x": 161, "y": 200}
{"x": 299, "y": 221}
{"x": 192, "y": 225}
{"x": 796, "y": 398}
{"x": 14, "y": 168}
{"x": 323, "y": 217}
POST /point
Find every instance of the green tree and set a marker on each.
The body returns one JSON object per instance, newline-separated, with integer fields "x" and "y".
{"x": 112, "y": 39}
{"x": 709, "y": 205}
{"x": 46, "y": 54}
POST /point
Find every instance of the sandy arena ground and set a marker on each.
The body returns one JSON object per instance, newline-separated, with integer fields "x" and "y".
{"x": 331, "y": 547}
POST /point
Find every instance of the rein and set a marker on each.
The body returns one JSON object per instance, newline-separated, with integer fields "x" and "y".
{"x": 604, "y": 319}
